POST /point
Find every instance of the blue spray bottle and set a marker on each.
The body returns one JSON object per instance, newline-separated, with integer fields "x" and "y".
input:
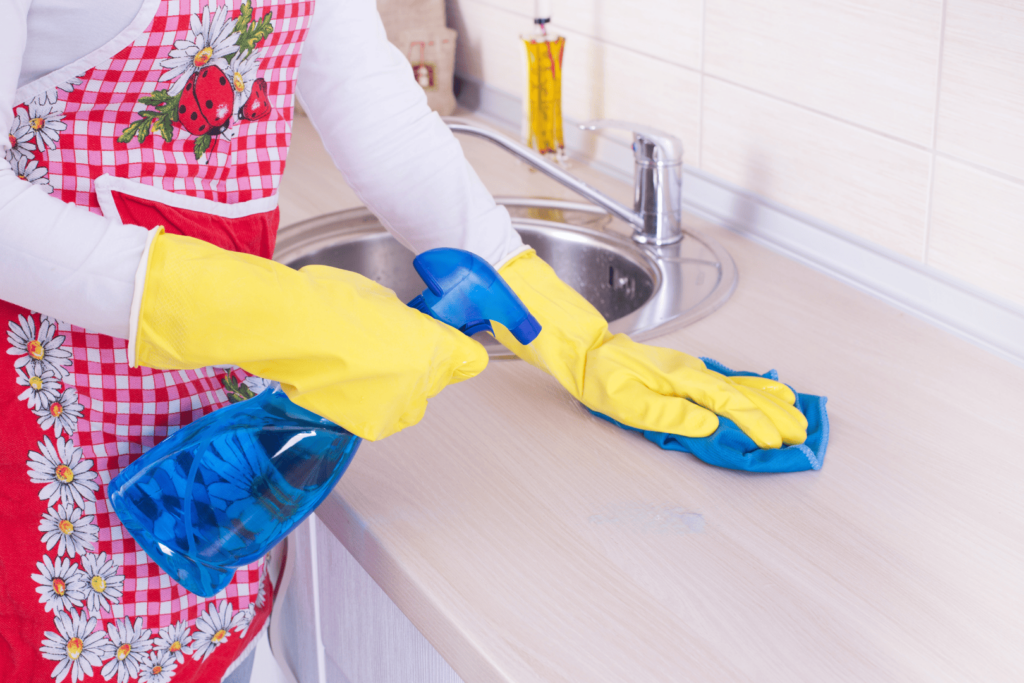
{"x": 222, "y": 491}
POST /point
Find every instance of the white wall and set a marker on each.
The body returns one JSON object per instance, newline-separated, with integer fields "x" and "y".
{"x": 899, "y": 121}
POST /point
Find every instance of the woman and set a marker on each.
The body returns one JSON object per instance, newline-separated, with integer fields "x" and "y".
{"x": 128, "y": 115}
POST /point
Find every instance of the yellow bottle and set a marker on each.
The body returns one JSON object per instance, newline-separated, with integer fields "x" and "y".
{"x": 542, "y": 106}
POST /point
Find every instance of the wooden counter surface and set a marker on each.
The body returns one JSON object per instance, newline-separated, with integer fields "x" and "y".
{"x": 529, "y": 541}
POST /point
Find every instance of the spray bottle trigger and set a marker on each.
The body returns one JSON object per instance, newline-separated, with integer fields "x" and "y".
{"x": 420, "y": 304}
{"x": 471, "y": 328}
{"x": 467, "y": 293}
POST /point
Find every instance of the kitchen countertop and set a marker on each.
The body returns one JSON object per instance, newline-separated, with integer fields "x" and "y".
{"x": 529, "y": 541}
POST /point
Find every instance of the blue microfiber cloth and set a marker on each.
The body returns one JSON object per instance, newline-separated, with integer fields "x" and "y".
{"x": 729, "y": 447}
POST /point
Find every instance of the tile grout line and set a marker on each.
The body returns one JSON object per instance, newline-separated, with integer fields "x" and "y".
{"x": 1000, "y": 175}
{"x": 935, "y": 137}
{"x": 969, "y": 311}
{"x": 832, "y": 117}
{"x": 591, "y": 37}
{"x": 892, "y": 138}
{"x": 981, "y": 169}
{"x": 700, "y": 71}
{"x": 818, "y": 112}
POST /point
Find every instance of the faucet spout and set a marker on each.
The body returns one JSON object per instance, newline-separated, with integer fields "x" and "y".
{"x": 547, "y": 168}
{"x": 656, "y": 217}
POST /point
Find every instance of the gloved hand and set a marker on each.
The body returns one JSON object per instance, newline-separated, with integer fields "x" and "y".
{"x": 641, "y": 386}
{"x": 340, "y": 344}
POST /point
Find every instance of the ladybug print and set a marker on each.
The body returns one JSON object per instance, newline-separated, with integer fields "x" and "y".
{"x": 257, "y": 107}
{"x": 212, "y": 80}
{"x": 205, "y": 104}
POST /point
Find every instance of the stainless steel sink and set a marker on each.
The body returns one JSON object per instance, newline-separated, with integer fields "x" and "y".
{"x": 642, "y": 290}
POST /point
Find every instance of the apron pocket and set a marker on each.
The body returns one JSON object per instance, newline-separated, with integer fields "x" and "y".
{"x": 249, "y": 227}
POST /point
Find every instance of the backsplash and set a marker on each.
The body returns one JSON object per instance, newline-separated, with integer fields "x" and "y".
{"x": 898, "y": 121}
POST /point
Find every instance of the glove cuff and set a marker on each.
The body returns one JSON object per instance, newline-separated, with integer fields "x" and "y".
{"x": 140, "y": 288}
{"x": 570, "y": 325}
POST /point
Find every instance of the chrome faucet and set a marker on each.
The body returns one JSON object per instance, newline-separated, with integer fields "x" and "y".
{"x": 658, "y": 180}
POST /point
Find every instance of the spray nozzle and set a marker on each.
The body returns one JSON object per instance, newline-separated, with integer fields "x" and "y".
{"x": 467, "y": 293}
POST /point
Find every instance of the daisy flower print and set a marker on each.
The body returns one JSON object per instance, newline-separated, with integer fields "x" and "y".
{"x": 241, "y": 73}
{"x": 209, "y": 41}
{"x": 44, "y": 347}
{"x": 77, "y": 646}
{"x": 128, "y": 645}
{"x": 29, "y": 169}
{"x": 51, "y": 97}
{"x": 159, "y": 668}
{"x": 257, "y": 385}
{"x": 243, "y": 620}
{"x": 20, "y": 139}
{"x": 261, "y": 593}
{"x": 63, "y": 472}
{"x": 102, "y": 582}
{"x": 61, "y": 586}
{"x": 42, "y": 385}
{"x": 175, "y": 640}
{"x": 69, "y": 530}
{"x": 47, "y": 122}
{"x": 62, "y": 414}
{"x": 212, "y": 629}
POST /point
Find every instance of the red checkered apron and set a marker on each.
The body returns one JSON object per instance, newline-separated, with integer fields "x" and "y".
{"x": 184, "y": 119}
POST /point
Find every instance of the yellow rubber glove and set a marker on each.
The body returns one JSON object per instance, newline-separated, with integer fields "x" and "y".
{"x": 340, "y": 344}
{"x": 641, "y": 386}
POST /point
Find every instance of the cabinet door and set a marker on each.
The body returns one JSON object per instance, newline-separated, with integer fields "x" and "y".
{"x": 367, "y": 639}
{"x": 293, "y": 623}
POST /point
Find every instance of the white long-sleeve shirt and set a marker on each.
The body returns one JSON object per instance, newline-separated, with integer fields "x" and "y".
{"x": 358, "y": 89}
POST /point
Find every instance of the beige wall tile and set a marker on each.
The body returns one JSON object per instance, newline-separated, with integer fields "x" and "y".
{"x": 667, "y": 29}
{"x": 867, "y": 184}
{"x": 871, "y": 62}
{"x": 599, "y": 80}
{"x": 977, "y": 229}
{"x": 981, "y": 110}
{"x": 864, "y": 64}
{"x": 487, "y": 48}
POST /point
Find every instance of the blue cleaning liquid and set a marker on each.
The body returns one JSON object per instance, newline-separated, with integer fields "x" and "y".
{"x": 209, "y": 500}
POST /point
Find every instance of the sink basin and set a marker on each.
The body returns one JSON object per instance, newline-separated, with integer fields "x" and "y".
{"x": 641, "y": 290}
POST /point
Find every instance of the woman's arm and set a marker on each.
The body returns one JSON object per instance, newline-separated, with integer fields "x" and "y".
{"x": 396, "y": 153}
{"x": 56, "y": 258}
{"x": 62, "y": 260}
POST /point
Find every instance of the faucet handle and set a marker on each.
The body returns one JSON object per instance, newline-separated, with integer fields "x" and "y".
{"x": 657, "y": 181}
{"x": 656, "y": 146}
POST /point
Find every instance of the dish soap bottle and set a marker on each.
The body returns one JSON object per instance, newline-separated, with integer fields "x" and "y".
{"x": 542, "y": 106}
{"x": 222, "y": 491}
